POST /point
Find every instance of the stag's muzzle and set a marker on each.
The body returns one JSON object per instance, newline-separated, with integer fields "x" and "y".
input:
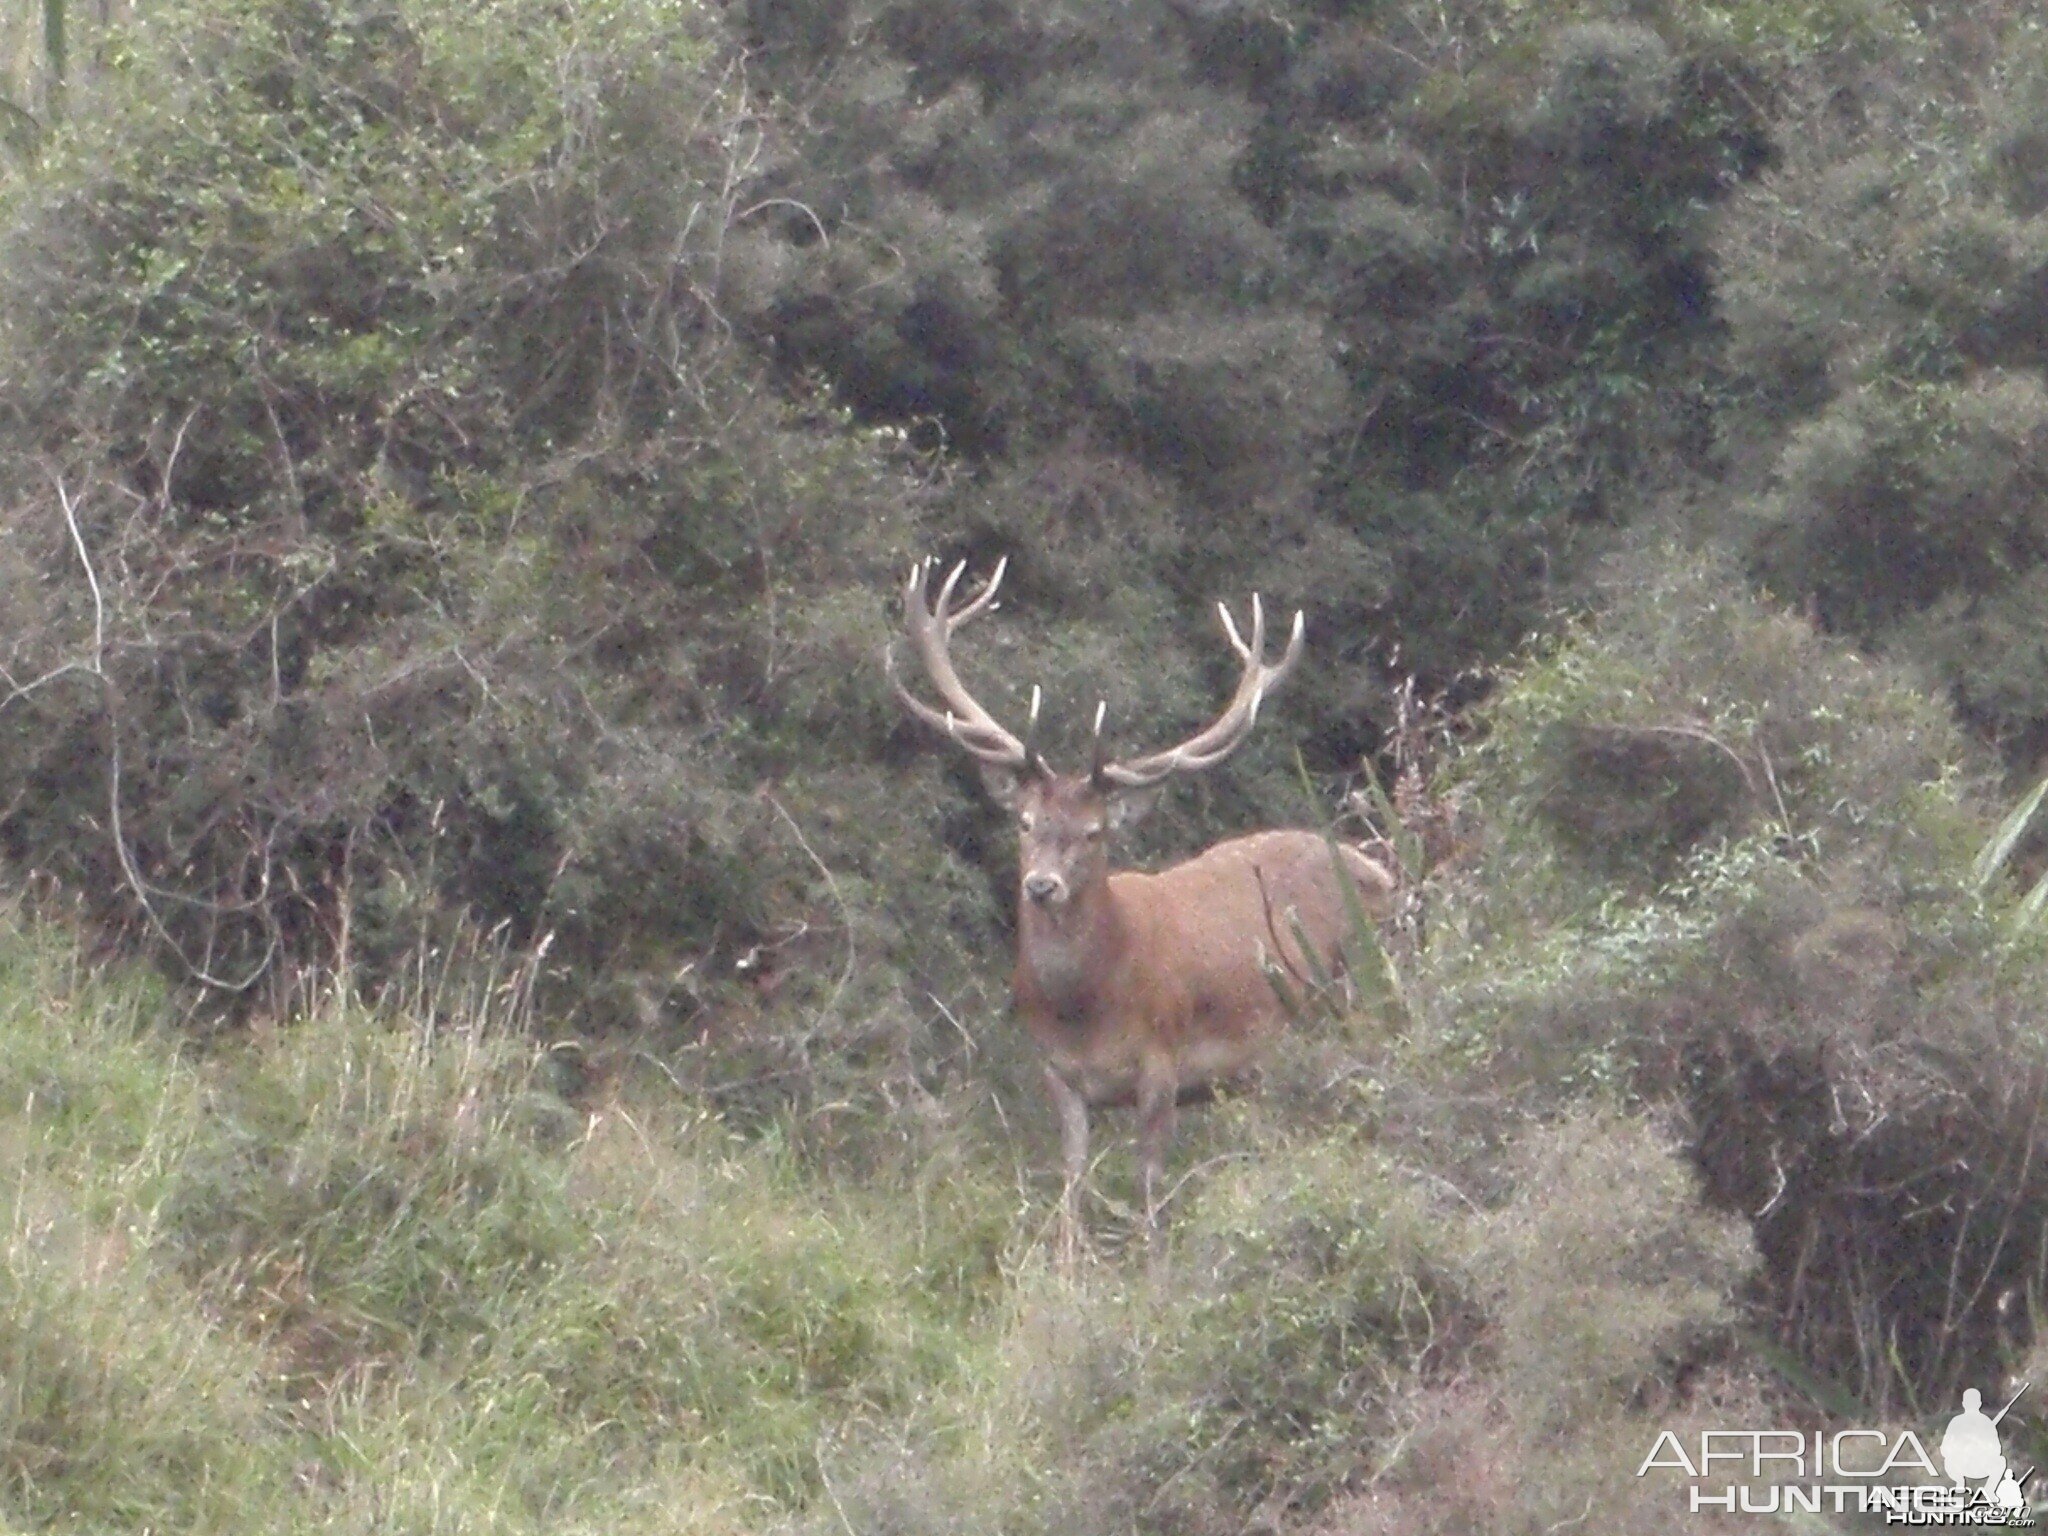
{"x": 1046, "y": 890}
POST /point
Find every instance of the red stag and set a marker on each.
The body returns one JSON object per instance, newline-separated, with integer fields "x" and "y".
{"x": 1141, "y": 989}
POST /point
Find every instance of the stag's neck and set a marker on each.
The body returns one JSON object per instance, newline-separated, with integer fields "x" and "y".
{"x": 1064, "y": 956}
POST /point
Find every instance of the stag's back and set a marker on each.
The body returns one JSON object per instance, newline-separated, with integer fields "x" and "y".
{"x": 1224, "y": 914}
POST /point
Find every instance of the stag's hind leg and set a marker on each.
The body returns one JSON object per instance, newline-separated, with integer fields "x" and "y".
{"x": 1074, "y": 1161}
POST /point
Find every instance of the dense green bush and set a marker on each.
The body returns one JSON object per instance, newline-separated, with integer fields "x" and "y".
{"x": 1917, "y": 515}
{"x": 1886, "y": 346}
{"x": 1403, "y": 309}
{"x": 455, "y": 466}
{"x": 1342, "y": 1341}
{"x": 392, "y": 530}
{"x": 1813, "y": 975}
{"x": 1605, "y": 1286}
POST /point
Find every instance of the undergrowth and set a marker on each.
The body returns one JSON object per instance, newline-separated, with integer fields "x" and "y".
{"x": 1626, "y": 1158}
{"x": 371, "y": 1270}
{"x": 373, "y": 1273}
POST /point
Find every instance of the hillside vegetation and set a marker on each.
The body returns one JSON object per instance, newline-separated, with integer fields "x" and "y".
{"x": 504, "y": 1021}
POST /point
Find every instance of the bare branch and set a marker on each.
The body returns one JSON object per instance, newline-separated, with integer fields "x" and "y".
{"x": 146, "y": 896}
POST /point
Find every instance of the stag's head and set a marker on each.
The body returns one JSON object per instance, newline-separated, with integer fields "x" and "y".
{"x": 1063, "y": 825}
{"x": 1064, "y": 820}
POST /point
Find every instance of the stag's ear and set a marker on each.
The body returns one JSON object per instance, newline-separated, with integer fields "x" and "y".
{"x": 1128, "y": 806}
{"x": 1005, "y": 785}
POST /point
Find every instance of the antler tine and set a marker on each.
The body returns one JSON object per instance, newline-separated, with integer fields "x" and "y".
{"x": 930, "y": 631}
{"x": 945, "y": 598}
{"x": 1228, "y": 731}
{"x": 1256, "y": 649}
{"x": 982, "y": 600}
{"x": 1031, "y": 722}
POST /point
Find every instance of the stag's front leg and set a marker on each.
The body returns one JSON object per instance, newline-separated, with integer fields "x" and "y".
{"x": 1158, "y": 1091}
{"x": 1074, "y": 1160}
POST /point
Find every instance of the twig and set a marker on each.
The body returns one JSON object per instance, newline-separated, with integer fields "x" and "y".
{"x": 953, "y": 1019}
{"x": 1279, "y": 949}
{"x": 130, "y": 872}
{"x": 787, "y": 202}
{"x": 1771, "y": 775}
{"x": 1578, "y": 1519}
{"x": 1701, "y": 734}
{"x": 839, "y": 899}
{"x": 92, "y": 580}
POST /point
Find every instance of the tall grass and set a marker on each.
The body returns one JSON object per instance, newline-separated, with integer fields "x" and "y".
{"x": 370, "y": 1271}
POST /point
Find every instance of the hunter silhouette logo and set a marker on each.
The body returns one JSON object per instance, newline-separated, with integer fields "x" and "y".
{"x": 1856, "y": 1471}
{"x": 1970, "y": 1452}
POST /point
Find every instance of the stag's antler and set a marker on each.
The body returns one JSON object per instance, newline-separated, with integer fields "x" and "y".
{"x": 930, "y": 629}
{"x": 1226, "y": 734}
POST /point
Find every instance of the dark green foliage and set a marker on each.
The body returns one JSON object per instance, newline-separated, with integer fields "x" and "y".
{"x": 1319, "y": 1287}
{"x": 1399, "y": 307}
{"x": 1893, "y": 499}
{"x": 454, "y": 462}
{"x": 447, "y": 556}
{"x": 1691, "y": 718}
{"x": 1889, "y": 328}
{"x": 1846, "y": 1022}
{"x": 1637, "y": 798}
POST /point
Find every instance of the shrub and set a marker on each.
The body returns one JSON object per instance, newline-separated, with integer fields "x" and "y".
{"x": 1606, "y": 1284}
{"x": 1886, "y": 346}
{"x": 1687, "y": 717}
{"x": 1317, "y": 1280}
{"x": 1604, "y": 1273}
{"x": 395, "y": 528}
{"x": 1894, "y": 498}
{"x": 1816, "y": 983}
{"x": 1914, "y": 518}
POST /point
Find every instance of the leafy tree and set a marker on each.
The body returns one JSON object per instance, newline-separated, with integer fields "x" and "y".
{"x": 1887, "y": 344}
{"x": 1403, "y": 311}
{"x": 392, "y": 529}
